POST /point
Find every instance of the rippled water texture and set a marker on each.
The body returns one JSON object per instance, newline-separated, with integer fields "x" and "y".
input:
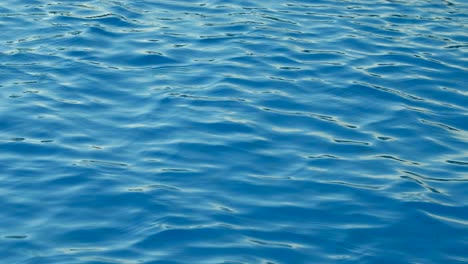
{"x": 233, "y": 131}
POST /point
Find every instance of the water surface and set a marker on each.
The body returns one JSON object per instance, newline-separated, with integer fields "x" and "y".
{"x": 233, "y": 131}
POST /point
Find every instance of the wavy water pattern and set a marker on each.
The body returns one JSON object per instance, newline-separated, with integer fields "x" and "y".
{"x": 233, "y": 131}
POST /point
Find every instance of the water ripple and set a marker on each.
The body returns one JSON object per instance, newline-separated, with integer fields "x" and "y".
{"x": 233, "y": 132}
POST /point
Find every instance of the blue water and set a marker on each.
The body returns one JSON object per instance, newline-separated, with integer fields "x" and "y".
{"x": 233, "y": 131}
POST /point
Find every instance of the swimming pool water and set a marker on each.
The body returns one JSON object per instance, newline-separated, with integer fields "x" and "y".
{"x": 233, "y": 131}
